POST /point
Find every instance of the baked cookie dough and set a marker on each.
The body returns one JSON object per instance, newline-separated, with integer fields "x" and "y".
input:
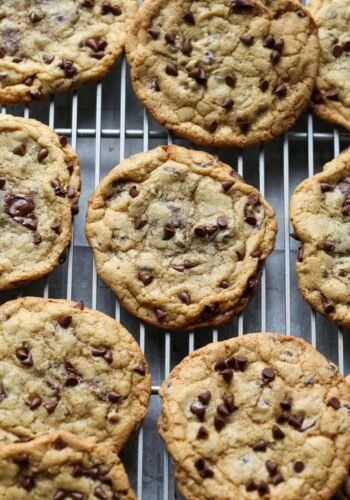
{"x": 61, "y": 466}
{"x": 261, "y": 415}
{"x": 331, "y": 98}
{"x": 39, "y": 191}
{"x": 179, "y": 237}
{"x": 228, "y": 73}
{"x": 69, "y": 368}
{"x": 320, "y": 214}
{"x": 51, "y": 46}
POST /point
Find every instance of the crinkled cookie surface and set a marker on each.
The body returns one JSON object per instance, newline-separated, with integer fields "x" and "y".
{"x": 257, "y": 416}
{"x": 179, "y": 237}
{"x": 224, "y": 73}
{"x": 61, "y": 466}
{"x": 320, "y": 214}
{"x": 67, "y": 368}
{"x": 51, "y": 46}
{"x": 331, "y": 99}
{"x": 39, "y": 191}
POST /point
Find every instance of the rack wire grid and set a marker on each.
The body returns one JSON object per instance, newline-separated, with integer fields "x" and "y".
{"x": 105, "y": 123}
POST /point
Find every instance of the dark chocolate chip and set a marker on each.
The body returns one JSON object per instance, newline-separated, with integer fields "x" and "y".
{"x": 271, "y": 467}
{"x": 113, "y": 397}
{"x": 43, "y": 153}
{"x": 169, "y": 231}
{"x": 185, "y": 297}
{"x": 298, "y": 466}
{"x": 80, "y": 305}
{"x": 199, "y": 75}
{"x": 247, "y": 39}
{"x": 27, "y": 483}
{"x": 269, "y": 41}
{"x": 231, "y": 79}
{"x": 277, "y": 479}
{"x": 59, "y": 443}
{"x": 277, "y": 432}
{"x": 337, "y": 50}
{"x": 260, "y": 445}
{"x": 220, "y": 365}
{"x": 199, "y": 412}
{"x": 332, "y": 93}
{"x": 154, "y": 32}
{"x": 65, "y": 321}
{"x": 327, "y": 306}
{"x": 296, "y": 421}
{"x": 34, "y": 403}
{"x": 67, "y": 67}
{"x": 222, "y": 222}
{"x": 140, "y": 369}
{"x": 243, "y": 124}
{"x": 170, "y": 37}
{"x": 186, "y": 46}
{"x": 328, "y": 246}
{"x": 105, "y": 478}
{"x": 20, "y": 150}
{"x": 72, "y": 380}
{"x": 229, "y": 403}
{"x": 325, "y": 187}
{"x": 145, "y": 277}
{"x": 334, "y": 403}
{"x": 222, "y": 410}
{"x": 204, "y": 397}
{"x": 63, "y": 140}
{"x": 133, "y": 192}
{"x": 25, "y": 356}
{"x": 48, "y": 58}
{"x": 268, "y": 375}
{"x": 171, "y": 69}
{"x": 22, "y": 459}
{"x": 241, "y": 5}
{"x": 224, "y": 284}
{"x": 35, "y": 17}
{"x": 227, "y": 374}
{"x": 139, "y": 222}
{"x": 275, "y": 56}
{"x": 2, "y": 183}
{"x": 219, "y": 423}
{"x": 108, "y": 356}
{"x": 160, "y": 314}
{"x": 280, "y": 90}
{"x": 227, "y": 185}
{"x": 178, "y": 267}
{"x": 189, "y": 18}
{"x": 200, "y": 231}
{"x": 294, "y": 236}
{"x": 202, "y": 433}
{"x": 251, "y": 485}
{"x": 60, "y": 495}
{"x": 227, "y": 103}
{"x": 264, "y": 85}
{"x": 56, "y": 226}
{"x": 109, "y": 9}
{"x": 286, "y": 403}
{"x": 262, "y": 488}
{"x": 211, "y": 125}
{"x": 51, "y": 407}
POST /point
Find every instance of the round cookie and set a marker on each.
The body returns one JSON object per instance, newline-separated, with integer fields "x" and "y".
{"x": 68, "y": 368}
{"x": 179, "y": 237}
{"x": 61, "y": 466}
{"x": 39, "y": 191}
{"x": 52, "y": 46}
{"x": 320, "y": 214}
{"x": 232, "y": 73}
{"x": 261, "y": 415}
{"x": 330, "y": 99}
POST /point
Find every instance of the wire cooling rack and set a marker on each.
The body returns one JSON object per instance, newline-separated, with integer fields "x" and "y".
{"x": 106, "y": 123}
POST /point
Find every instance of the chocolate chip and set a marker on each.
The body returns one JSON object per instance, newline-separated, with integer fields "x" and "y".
{"x": 247, "y": 39}
{"x": 300, "y": 254}
{"x": 154, "y": 32}
{"x": 22, "y": 459}
{"x": 160, "y": 314}
{"x": 35, "y": 18}
{"x": 189, "y": 264}
{"x": 145, "y": 277}
{"x": 332, "y": 93}
{"x": 280, "y": 90}
{"x": 202, "y": 433}
{"x": 200, "y": 231}
{"x": 20, "y": 207}
{"x": 277, "y": 433}
{"x": 269, "y": 41}
{"x": 60, "y": 495}
{"x": 211, "y": 230}
{"x": 63, "y": 140}
{"x": 108, "y": 356}
{"x": 199, "y": 464}
{"x": 241, "y": 5}
{"x": 277, "y": 479}
{"x": 286, "y": 403}
{"x": 298, "y": 466}
{"x": 70, "y": 192}
{"x": 227, "y": 374}
{"x": 2, "y": 183}
{"x": 133, "y": 192}
{"x": 222, "y": 222}
{"x": 76, "y": 495}
{"x": 27, "y": 483}
{"x": 283, "y": 417}
{"x": 271, "y": 467}
{"x": 260, "y": 445}
{"x": 211, "y": 125}
{"x": 243, "y": 124}
{"x": 328, "y": 246}
{"x": 224, "y": 284}
{"x": 231, "y": 79}
{"x": 227, "y": 185}
{"x": 325, "y": 187}
{"x": 67, "y": 66}
{"x": 239, "y": 362}
{"x": 25, "y": 356}
{"x": 229, "y": 403}
{"x": 296, "y": 421}
{"x": 50, "y": 407}
{"x": 20, "y": 150}
{"x": 109, "y": 9}
{"x": 48, "y": 58}
{"x": 29, "y": 81}
{"x": 34, "y": 403}
{"x": 189, "y": 18}
{"x": 222, "y": 410}
{"x": 65, "y": 320}
{"x": 43, "y": 153}
{"x": 17, "y": 59}
{"x": 170, "y": 37}
{"x": 334, "y": 403}
{"x": 140, "y": 369}
{"x": 178, "y": 267}
{"x": 262, "y": 488}
{"x": 113, "y": 397}
{"x": 154, "y": 85}
{"x": 220, "y": 365}
{"x": 204, "y": 397}
{"x": 185, "y": 297}
{"x": 337, "y": 50}
{"x": 99, "y": 352}
{"x": 268, "y": 375}
{"x": 59, "y": 443}
{"x": 56, "y": 226}
{"x": 171, "y": 69}
{"x": 199, "y": 75}
{"x": 80, "y": 305}
{"x": 139, "y": 222}
{"x": 275, "y": 56}
{"x": 279, "y": 45}
{"x": 219, "y": 423}
{"x": 72, "y": 380}
{"x": 186, "y": 46}
{"x": 169, "y": 231}
{"x": 251, "y": 485}
{"x": 327, "y": 306}
{"x": 264, "y": 85}
{"x": 105, "y": 478}
{"x": 199, "y": 412}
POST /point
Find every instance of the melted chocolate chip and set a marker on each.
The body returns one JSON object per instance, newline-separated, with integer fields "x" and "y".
{"x": 58, "y": 188}
{"x": 296, "y": 421}
{"x": 20, "y": 207}
{"x": 286, "y": 403}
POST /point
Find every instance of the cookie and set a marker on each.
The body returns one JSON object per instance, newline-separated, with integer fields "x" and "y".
{"x": 179, "y": 237}
{"x": 261, "y": 415}
{"x": 39, "y": 191}
{"x": 233, "y": 73}
{"x": 68, "y": 368}
{"x": 330, "y": 99}
{"x": 320, "y": 214}
{"x": 61, "y": 466}
{"x": 49, "y": 46}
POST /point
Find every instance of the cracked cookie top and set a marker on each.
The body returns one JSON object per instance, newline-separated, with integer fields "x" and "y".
{"x": 330, "y": 99}
{"x": 320, "y": 214}
{"x": 262, "y": 415}
{"x": 61, "y": 466}
{"x": 228, "y": 73}
{"x": 69, "y": 368}
{"x": 179, "y": 237}
{"x": 39, "y": 191}
{"x": 49, "y": 46}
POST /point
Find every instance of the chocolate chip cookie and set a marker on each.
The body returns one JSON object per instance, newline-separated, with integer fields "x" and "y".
{"x": 262, "y": 415}
{"x": 39, "y": 191}
{"x": 233, "y": 73}
{"x": 48, "y": 46}
{"x": 179, "y": 237}
{"x": 61, "y": 466}
{"x": 330, "y": 99}
{"x": 320, "y": 214}
{"x": 66, "y": 367}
